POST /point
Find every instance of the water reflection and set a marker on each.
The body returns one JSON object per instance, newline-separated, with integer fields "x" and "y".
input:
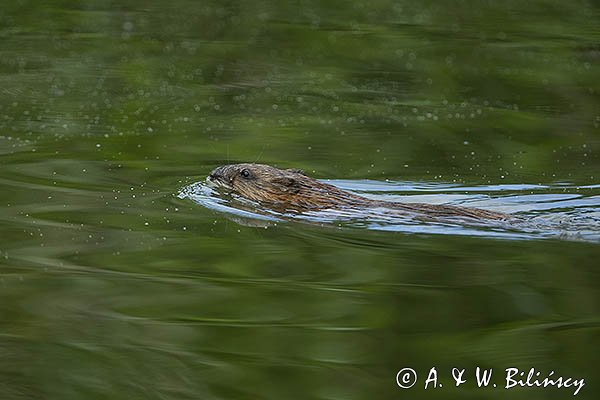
{"x": 111, "y": 286}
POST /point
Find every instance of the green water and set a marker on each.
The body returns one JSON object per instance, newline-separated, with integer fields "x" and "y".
{"x": 113, "y": 287}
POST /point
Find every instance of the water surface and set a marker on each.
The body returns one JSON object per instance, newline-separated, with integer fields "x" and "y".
{"x": 112, "y": 285}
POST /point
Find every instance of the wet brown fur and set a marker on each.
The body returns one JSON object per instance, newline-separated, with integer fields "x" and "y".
{"x": 292, "y": 190}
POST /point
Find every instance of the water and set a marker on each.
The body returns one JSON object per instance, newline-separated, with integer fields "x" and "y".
{"x": 122, "y": 276}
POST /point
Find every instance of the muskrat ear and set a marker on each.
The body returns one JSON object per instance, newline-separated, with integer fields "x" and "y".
{"x": 286, "y": 183}
{"x": 296, "y": 171}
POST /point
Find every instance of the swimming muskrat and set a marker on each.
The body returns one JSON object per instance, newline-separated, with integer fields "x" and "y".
{"x": 291, "y": 189}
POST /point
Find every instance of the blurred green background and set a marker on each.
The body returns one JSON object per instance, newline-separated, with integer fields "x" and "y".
{"x": 111, "y": 287}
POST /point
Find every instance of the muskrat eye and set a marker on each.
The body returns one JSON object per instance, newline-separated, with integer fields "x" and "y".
{"x": 245, "y": 173}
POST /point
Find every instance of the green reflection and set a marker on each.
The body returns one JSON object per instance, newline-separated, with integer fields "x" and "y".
{"x": 111, "y": 287}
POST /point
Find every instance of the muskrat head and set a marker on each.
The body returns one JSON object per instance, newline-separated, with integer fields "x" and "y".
{"x": 259, "y": 182}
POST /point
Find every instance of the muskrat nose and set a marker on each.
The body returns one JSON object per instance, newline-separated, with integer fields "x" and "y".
{"x": 216, "y": 173}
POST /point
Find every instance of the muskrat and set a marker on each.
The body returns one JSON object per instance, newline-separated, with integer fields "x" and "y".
{"x": 291, "y": 189}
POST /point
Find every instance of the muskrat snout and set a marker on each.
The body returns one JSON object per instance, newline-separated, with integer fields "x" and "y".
{"x": 216, "y": 175}
{"x": 221, "y": 176}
